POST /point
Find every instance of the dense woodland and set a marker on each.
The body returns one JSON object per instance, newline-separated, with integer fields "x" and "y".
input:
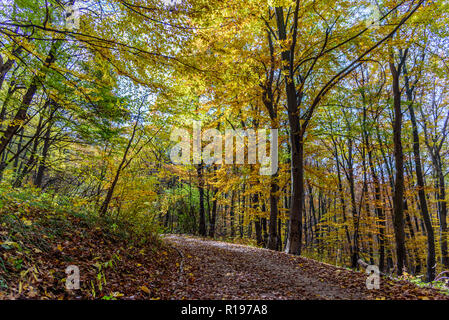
{"x": 90, "y": 92}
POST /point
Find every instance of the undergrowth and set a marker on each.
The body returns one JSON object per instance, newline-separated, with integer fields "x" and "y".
{"x": 41, "y": 233}
{"x": 17, "y": 204}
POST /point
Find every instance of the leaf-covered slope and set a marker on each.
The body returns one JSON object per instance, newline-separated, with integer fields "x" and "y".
{"x": 38, "y": 242}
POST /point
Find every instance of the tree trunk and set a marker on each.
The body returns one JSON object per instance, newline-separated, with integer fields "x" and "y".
{"x": 202, "y": 222}
{"x": 272, "y": 233}
{"x": 297, "y": 198}
{"x": 293, "y": 245}
{"x": 213, "y": 215}
{"x": 398, "y": 196}
{"x": 31, "y": 160}
{"x": 355, "y": 216}
{"x": 22, "y": 113}
{"x": 45, "y": 149}
{"x": 257, "y": 225}
{"x": 431, "y": 260}
{"x": 378, "y": 209}
{"x": 107, "y": 200}
{"x": 442, "y": 212}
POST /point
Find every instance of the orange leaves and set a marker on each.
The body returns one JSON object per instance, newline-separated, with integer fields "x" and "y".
{"x": 145, "y": 289}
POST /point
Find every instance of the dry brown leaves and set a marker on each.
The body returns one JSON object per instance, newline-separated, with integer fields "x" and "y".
{"x": 219, "y": 270}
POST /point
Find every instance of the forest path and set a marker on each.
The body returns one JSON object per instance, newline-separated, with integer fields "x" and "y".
{"x": 221, "y": 270}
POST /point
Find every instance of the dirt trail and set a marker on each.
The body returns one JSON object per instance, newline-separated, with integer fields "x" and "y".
{"x": 220, "y": 270}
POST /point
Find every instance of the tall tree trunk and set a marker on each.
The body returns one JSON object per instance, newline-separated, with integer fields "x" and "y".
{"x": 294, "y": 239}
{"x": 398, "y": 196}
{"x": 271, "y": 105}
{"x": 431, "y": 260}
{"x": 355, "y": 215}
{"x": 297, "y": 196}
{"x": 442, "y": 205}
{"x": 378, "y": 208}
